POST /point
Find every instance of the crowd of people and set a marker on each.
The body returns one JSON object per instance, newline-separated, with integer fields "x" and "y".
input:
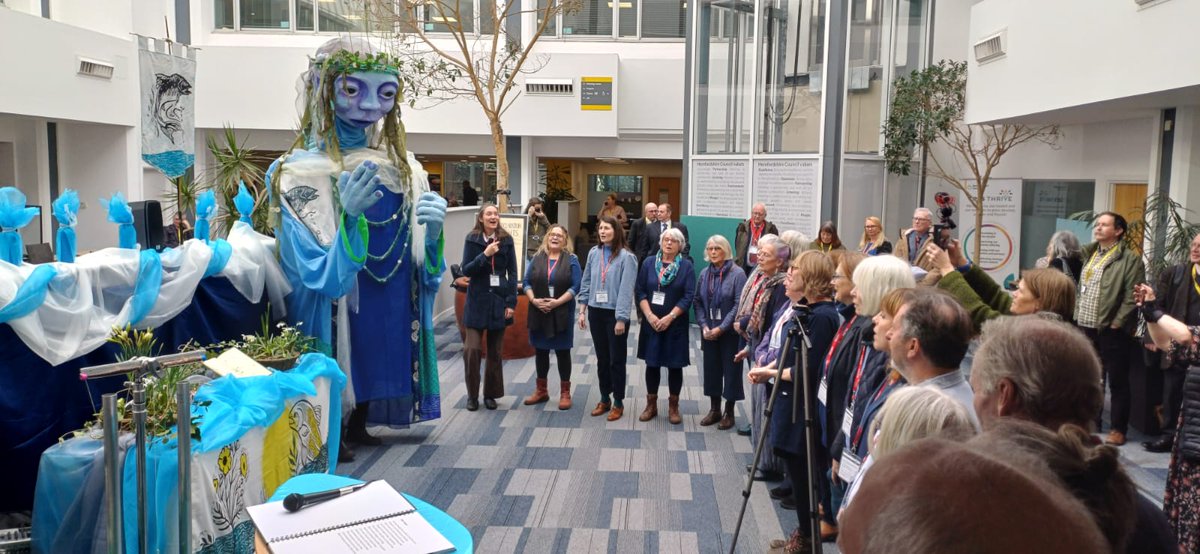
{"x": 912, "y": 442}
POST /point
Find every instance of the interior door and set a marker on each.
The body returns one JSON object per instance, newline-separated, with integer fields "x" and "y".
{"x": 665, "y": 189}
{"x": 1129, "y": 200}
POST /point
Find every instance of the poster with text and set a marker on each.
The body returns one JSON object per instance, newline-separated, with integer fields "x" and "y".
{"x": 517, "y": 225}
{"x": 789, "y": 190}
{"x": 1000, "y": 243}
{"x": 719, "y": 187}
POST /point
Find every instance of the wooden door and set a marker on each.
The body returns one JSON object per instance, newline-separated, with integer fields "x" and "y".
{"x": 1129, "y": 200}
{"x": 665, "y": 189}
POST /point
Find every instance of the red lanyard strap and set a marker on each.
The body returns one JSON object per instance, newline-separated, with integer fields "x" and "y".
{"x": 604, "y": 265}
{"x": 837, "y": 339}
{"x": 858, "y": 372}
{"x": 887, "y": 385}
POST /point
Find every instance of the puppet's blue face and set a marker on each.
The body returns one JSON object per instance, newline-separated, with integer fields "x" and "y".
{"x": 363, "y": 98}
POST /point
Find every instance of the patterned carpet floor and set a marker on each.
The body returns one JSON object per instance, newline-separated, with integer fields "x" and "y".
{"x": 535, "y": 479}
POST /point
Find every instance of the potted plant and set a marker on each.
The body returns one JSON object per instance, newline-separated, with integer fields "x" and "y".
{"x": 277, "y": 348}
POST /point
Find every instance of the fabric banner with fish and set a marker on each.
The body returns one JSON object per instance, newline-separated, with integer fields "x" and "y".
{"x": 168, "y": 77}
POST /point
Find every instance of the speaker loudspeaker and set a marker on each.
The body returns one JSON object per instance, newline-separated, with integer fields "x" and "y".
{"x": 148, "y": 223}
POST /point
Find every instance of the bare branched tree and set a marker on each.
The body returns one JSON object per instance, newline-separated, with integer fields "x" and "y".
{"x": 928, "y": 107}
{"x": 485, "y": 66}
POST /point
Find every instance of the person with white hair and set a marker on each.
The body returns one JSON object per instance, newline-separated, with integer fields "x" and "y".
{"x": 664, "y": 293}
{"x": 717, "y": 292}
{"x": 355, "y": 212}
{"x": 912, "y": 242}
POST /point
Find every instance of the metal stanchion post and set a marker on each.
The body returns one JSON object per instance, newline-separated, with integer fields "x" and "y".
{"x": 112, "y": 474}
{"x": 183, "y": 427}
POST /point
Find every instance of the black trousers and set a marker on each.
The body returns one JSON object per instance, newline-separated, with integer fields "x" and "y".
{"x": 674, "y": 379}
{"x": 612, "y": 350}
{"x": 796, "y": 466}
{"x": 1117, "y": 350}
{"x": 1172, "y": 396}
{"x": 541, "y": 362}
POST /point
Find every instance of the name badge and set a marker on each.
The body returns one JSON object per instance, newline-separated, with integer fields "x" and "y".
{"x": 602, "y": 297}
{"x": 823, "y": 392}
{"x": 552, "y": 295}
{"x": 494, "y": 280}
{"x": 1082, "y": 290}
{"x": 847, "y": 421}
{"x": 715, "y": 314}
{"x": 776, "y": 340}
{"x": 754, "y": 249}
{"x": 658, "y": 298}
{"x": 849, "y": 466}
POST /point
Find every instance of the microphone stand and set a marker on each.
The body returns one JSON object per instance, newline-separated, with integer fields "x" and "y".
{"x": 802, "y": 385}
{"x": 788, "y": 345}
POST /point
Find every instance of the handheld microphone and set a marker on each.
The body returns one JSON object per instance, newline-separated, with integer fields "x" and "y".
{"x": 296, "y": 501}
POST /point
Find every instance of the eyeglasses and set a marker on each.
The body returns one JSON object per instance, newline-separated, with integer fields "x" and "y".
{"x": 837, "y": 276}
{"x": 671, "y": 240}
{"x": 921, "y": 219}
{"x": 870, "y": 226}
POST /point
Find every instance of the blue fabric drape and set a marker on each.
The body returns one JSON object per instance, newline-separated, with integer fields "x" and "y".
{"x": 120, "y": 213}
{"x": 206, "y": 211}
{"x": 66, "y": 211}
{"x": 221, "y": 253}
{"x": 145, "y": 291}
{"x": 244, "y": 204}
{"x": 13, "y": 216}
{"x": 30, "y": 294}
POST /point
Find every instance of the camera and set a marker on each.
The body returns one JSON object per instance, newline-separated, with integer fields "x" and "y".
{"x": 945, "y": 224}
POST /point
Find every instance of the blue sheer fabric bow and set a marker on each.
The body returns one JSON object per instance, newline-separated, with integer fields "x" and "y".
{"x": 66, "y": 211}
{"x": 13, "y": 216}
{"x": 244, "y": 203}
{"x": 206, "y": 212}
{"x": 120, "y": 213}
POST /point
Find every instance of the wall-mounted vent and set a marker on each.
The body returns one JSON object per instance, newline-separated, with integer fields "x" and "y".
{"x": 550, "y": 87}
{"x": 992, "y": 47}
{"x": 95, "y": 68}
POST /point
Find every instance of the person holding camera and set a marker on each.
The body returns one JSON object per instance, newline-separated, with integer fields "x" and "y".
{"x": 538, "y": 226}
{"x": 490, "y": 262}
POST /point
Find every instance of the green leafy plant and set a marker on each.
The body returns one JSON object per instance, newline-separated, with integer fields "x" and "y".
{"x": 281, "y": 342}
{"x": 927, "y": 107}
{"x": 234, "y": 162}
{"x": 1163, "y": 226}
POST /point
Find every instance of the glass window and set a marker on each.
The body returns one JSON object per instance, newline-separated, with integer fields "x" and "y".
{"x": 552, "y": 25}
{"x": 616, "y": 183}
{"x": 627, "y": 12}
{"x": 662, "y": 18}
{"x": 861, "y": 196}
{"x": 304, "y": 16}
{"x": 223, "y": 14}
{"x": 594, "y": 18}
{"x": 865, "y": 90}
{"x": 487, "y": 19}
{"x": 341, "y": 16}
{"x": 791, "y": 76}
{"x": 265, "y": 14}
{"x": 438, "y": 16}
{"x": 723, "y": 81}
{"x": 909, "y": 44}
{"x": 1043, "y": 205}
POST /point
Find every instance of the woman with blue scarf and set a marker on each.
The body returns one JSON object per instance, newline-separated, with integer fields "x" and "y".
{"x": 664, "y": 292}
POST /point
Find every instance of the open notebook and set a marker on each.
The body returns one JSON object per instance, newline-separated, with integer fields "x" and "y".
{"x": 375, "y": 518}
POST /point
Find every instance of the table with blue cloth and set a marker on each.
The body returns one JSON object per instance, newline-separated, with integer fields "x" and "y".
{"x": 449, "y": 527}
{"x": 39, "y": 402}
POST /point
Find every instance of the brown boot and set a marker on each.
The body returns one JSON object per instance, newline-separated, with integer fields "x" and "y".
{"x": 615, "y": 413}
{"x": 564, "y": 395}
{"x": 539, "y": 394}
{"x": 726, "y": 417}
{"x": 714, "y": 413}
{"x": 651, "y": 410}
{"x": 673, "y": 410}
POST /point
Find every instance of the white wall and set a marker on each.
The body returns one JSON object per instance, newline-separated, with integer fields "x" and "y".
{"x": 1075, "y": 52}
{"x": 96, "y": 161}
{"x": 40, "y": 60}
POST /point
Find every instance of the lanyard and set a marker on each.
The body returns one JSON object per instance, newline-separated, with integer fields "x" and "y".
{"x": 550, "y": 268}
{"x": 604, "y": 265}
{"x": 1091, "y": 265}
{"x": 867, "y": 248}
{"x": 715, "y": 280}
{"x": 837, "y": 339}
{"x": 862, "y": 358}
{"x": 1195, "y": 283}
{"x": 493, "y": 257}
{"x": 858, "y": 434}
{"x": 756, "y": 232}
{"x": 822, "y": 247}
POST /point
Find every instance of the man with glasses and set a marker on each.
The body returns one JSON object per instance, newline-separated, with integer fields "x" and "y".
{"x": 748, "y": 233}
{"x": 638, "y": 230}
{"x": 914, "y": 241}
{"x": 654, "y": 232}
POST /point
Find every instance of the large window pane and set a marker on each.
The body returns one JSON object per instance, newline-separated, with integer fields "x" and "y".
{"x": 305, "y": 19}
{"x": 862, "y": 195}
{"x": 627, "y": 12}
{"x": 663, "y": 18}
{"x": 551, "y": 26}
{"x": 791, "y": 75}
{"x": 1043, "y": 204}
{"x": 265, "y": 14}
{"x": 340, "y": 16}
{"x": 908, "y": 46}
{"x": 223, "y": 14}
{"x": 440, "y": 17}
{"x": 864, "y": 78}
{"x": 723, "y": 80}
{"x": 594, "y": 18}
{"x": 487, "y": 19}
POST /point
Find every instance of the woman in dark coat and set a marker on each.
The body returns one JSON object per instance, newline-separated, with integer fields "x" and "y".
{"x": 490, "y": 262}
{"x": 551, "y": 282}
{"x": 809, "y": 280}
{"x": 664, "y": 293}
{"x": 717, "y": 293}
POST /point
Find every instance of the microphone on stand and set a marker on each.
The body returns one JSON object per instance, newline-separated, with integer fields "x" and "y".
{"x": 296, "y": 501}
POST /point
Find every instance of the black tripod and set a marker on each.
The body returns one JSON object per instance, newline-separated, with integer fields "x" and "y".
{"x": 795, "y": 344}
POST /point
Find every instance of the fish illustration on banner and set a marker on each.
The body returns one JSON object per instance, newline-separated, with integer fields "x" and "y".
{"x": 168, "y": 77}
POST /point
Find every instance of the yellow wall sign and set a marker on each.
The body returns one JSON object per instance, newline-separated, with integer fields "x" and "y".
{"x": 595, "y": 93}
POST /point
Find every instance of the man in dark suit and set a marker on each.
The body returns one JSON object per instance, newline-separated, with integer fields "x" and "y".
{"x": 748, "y": 233}
{"x": 638, "y": 230}
{"x": 655, "y": 231}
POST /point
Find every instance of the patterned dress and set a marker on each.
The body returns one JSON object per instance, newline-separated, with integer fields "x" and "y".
{"x": 1181, "y": 501}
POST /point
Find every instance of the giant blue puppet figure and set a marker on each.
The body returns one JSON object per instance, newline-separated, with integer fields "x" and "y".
{"x": 358, "y": 222}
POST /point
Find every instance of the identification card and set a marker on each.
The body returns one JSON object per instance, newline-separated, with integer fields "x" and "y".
{"x": 715, "y": 315}
{"x": 776, "y": 340}
{"x": 552, "y": 295}
{"x": 602, "y": 297}
{"x": 847, "y": 421}
{"x": 848, "y": 467}
{"x": 1082, "y": 290}
{"x": 754, "y": 249}
{"x": 658, "y": 298}
{"x": 494, "y": 280}
{"x": 823, "y": 392}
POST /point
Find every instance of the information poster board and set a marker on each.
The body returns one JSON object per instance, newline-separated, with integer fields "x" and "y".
{"x": 999, "y": 252}
{"x": 517, "y": 225}
{"x": 789, "y": 190}
{"x": 719, "y": 188}
{"x": 596, "y": 93}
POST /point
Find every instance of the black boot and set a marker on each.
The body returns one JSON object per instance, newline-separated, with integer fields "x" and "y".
{"x": 345, "y": 453}
{"x": 356, "y": 430}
